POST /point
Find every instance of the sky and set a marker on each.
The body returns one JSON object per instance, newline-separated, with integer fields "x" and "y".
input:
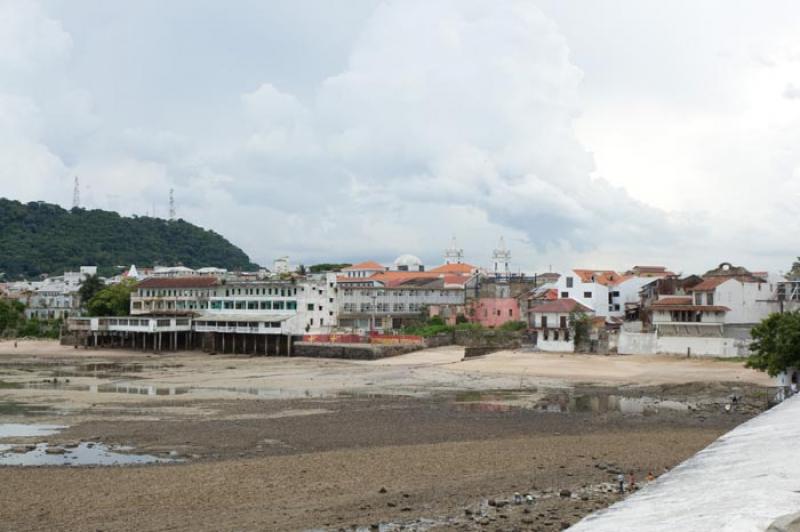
{"x": 587, "y": 134}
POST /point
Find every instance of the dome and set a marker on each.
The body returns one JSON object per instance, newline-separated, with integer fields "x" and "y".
{"x": 408, "y": 263}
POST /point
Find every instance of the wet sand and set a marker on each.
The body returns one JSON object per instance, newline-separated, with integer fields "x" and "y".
{"x": 423, "y": 440}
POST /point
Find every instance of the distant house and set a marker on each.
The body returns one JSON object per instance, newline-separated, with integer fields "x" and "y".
{"x": 550, "y": 324}
{"x": 607, "y": 292}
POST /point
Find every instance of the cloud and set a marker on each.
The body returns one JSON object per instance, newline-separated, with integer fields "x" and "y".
{"x": 410, "y": 122}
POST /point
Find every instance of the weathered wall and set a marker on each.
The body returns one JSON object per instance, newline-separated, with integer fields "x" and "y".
{"x": 556, "y": 346}
{"x": 352, "y": 351}
{"x": 631, "y": 343}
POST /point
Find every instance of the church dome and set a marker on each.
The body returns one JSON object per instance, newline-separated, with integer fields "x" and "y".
{"x": 409, "y": 263}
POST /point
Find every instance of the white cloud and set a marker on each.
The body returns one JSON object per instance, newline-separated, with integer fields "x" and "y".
{"x": 588, "y": 136}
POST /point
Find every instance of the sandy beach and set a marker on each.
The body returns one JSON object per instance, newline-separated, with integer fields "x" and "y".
{"x": 423, "y": 440}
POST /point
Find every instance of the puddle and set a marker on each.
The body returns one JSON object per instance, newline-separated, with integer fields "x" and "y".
{"x": 11, "y": 408}
{"x": 19, "y": 430}
{"x": 565, "y": 403}
{"x": 85, "y": 453}
{"x": 604, "y": 403}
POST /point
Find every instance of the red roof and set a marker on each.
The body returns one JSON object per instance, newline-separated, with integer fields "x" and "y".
{"x": 368, "y": 265}
{"x": 178, "y": 282}
{"x": 560, "y": 306}
{"x": 710, "y": 283}
{"x": 454, "y": 268}
{"x": 603, "y": 277}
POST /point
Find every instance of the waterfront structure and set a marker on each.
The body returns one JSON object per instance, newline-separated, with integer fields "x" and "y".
{"x": 220, "y": 314}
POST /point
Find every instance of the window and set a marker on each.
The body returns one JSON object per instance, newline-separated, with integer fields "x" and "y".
{"x": 566, "y": 335}
{"x": 239, "y": 305}
{"x": 544, "y": 325}
{"x": 698, "y": 298}
{"x": 563, "y": 322}
{"x": 587, "y": 295}
{"x": 228, "y": 305}
{"x": 555, "y": 335}
{"x": 569, "y": 282}
{"x": 277, "y": 305}
{"x": 616, "y": 308}
{"x": 710, "y": 298}
{"x": 510, "y": 313}
{"x": 564, "y": 295}
{"x": 310, "y": 307}
{"x": 291, "y": 305}
{"x": 252, "y": 305}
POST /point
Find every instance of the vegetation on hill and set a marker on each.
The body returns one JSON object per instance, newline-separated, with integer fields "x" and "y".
{"x": 37, "y": 238}
{"x": 328, "y": 267}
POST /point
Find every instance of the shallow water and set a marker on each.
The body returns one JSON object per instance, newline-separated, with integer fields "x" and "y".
{"x": 19, "y": 430}
{"x": 566, "y": 402}
{"x": 85, "y": 453}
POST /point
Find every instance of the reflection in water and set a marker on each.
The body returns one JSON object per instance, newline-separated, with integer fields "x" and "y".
{"x": 565, "y": 402}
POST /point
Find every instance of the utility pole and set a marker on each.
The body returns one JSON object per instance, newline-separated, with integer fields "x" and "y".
{"x": 76, "y": 194}
{"x": 172, "y": 205}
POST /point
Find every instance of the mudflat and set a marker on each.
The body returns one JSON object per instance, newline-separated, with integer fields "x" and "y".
{"x": 423, "y": 441}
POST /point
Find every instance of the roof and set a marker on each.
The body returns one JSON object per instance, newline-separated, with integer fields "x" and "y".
{"x": 603, "y": 277}
{"x": 679, "y": 303}
{"x": 672, "y": 300}
{"x": 710, "y": 283}
{"x": 178, "y": 282}
{"x": 368, "y": 265}
{"x": 454, "y": 268}
{"x": 560, "y": 306}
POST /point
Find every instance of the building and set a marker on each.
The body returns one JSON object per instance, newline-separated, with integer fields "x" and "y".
{"x": 551, "y": 324}
{"x": 229, "y": 314}
{"x": 607, "y": 292}
{"x": 393, "y": 299}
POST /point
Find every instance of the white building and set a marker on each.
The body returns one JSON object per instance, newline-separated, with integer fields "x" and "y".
{"x": 550, "y": 324}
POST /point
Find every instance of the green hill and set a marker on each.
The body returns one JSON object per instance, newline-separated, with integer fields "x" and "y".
{"x": 39, "y": 237}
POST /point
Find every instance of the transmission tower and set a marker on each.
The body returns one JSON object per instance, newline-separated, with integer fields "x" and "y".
{"x": 76, "y": 194}
{"x": 171, "y": 204}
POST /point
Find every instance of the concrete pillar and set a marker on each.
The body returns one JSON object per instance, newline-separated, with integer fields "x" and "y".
{"x": 223, "y": 343}
{"x": 288, "y": 345}
{"x": 175, "y": 340}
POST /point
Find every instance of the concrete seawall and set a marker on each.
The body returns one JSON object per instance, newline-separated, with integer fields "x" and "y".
{"x": 744, "y": 481}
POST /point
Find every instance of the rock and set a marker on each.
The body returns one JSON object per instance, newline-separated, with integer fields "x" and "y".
{"x": 565, "y": 493}
{"x": 500, "y": 503}
{"x": 492, "y": 502}
{"x": 528, "y": 520}
{"x": 584, "y": 497}
{"x": 55, "y": 450}
{"x": 467, "y": 511}
{"x": 565, "y": 525}
{"x": 382, "y": 490}
{"x": 391, "y": 504}
{"x": 405, "y": 509}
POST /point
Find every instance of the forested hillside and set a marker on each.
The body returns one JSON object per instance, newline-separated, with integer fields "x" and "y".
{"x": 39, "y": 237}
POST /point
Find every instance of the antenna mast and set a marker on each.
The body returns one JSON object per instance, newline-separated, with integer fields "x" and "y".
{"x": 76, "y": 194}
{"x": 171, "y": 204}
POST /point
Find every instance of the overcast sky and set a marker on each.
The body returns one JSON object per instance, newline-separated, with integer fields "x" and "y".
{"x": 589, "y": 134}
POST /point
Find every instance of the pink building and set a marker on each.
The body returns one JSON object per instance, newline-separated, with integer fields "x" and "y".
{"x": 494, "y": 311}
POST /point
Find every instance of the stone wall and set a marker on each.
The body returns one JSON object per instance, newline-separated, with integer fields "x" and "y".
{"x": 352, "y": 351}
{"x": 483, "y": 342}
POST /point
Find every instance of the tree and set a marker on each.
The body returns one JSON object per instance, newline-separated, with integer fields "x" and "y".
{"x": 113, "y": 300}
{"x": 301, "y": 270}
{"x": 12, "y": 315}
{"x": 89, "y": 288}
{"x": 794, "y": 273}
{"x": 776, "y": 343}
{"x": 581, "y": 325}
